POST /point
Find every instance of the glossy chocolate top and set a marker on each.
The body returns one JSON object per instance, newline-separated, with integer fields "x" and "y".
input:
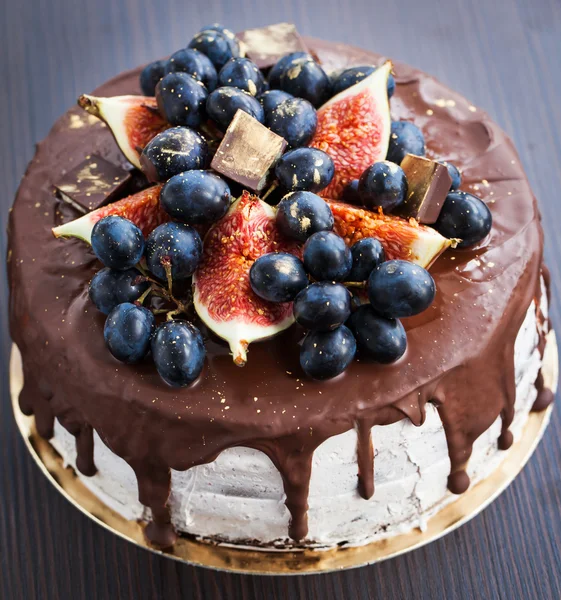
{"x": 460, "y": 351}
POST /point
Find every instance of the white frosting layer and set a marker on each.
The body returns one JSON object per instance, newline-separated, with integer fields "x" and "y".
{"x": 239, "y": 497}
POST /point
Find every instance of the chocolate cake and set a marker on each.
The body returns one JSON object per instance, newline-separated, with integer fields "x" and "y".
{"x": 265, "y": 455}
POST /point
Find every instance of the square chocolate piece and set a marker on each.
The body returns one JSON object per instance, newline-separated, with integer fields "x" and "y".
{"x": 247, "y": 152}
{"x": 264, "y": 46}
{"x": 91, "y": 184}
{"x": 429, "y": 183}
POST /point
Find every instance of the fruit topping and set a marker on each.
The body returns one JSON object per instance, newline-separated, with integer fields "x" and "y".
{"x": 327, "y": 257}
{"x": 109, "y": 287}
{"x": 179, "y": 352}
{"x": 248, "y": 151}
{"x": 405, "y": 138}
{"x": 307, "y": 169}
{"x": 398, "y": 288}
{"x": 92, "y": 183}
{"x": 455, "y": 175}
{"x": 345, "y": 79}
{"x": 181, "y": 99}
{"x": 401, "y": 238}
{"x": 301, "y": 214}
{"x": 196, "y": 197}
{"x": 224, "y": 103}
{"x": 127, "y": 332}
{"x": 350, "y": 192}
{"x": 354, "y": 129}
{"x": 173, "y": 151}
{"x": 322, "y": 306}
{"x": 243, "y": 74}
{"x": 223, "y": 297}
{"x": 217, "y": 45}
{"x": 281, "y": 66}
{"x": 143, "y": 209}
{"x": 466, "y": 217}
{"x": 381, "y": 339}
{"x": 193, "y": 63}
{"x": 264, "y": 46}
{"x": 150, "y": 75}
{"x": 117, "y": 242}
{"x": 133, "y": 121}
{"x": 368, "y": 253}
{"x": 278, "y": 277}
{"x": 304, "y": 78}
{"x": 271, "y": 99}
{"x": 326, "y": 354}
{"x": 384, "y": 185}
{"x": 294, "y": 119}
{"x": 428, "y": 184}
{"x": 174, "y": 247}
{"x": 221, "y": 28}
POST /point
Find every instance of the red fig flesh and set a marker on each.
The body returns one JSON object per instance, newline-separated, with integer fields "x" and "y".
{"x": 223, "y": 297}
{"x": 143, "y": 209}
{"x": 133, "y": 121}
{"x": 354, "y": 129}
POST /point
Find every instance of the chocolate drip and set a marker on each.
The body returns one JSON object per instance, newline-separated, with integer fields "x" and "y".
{"x": 365, "y": 459}
{"x": 460, "y": 352}
{"x": 545, "y": 395}
{"x": 85, "y": 451}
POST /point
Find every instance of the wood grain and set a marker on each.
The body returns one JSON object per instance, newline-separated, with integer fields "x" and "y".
{"x": 504, "y": 56}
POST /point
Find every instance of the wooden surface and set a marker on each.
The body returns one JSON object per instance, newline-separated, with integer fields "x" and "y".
{"x": 504, "y": 56}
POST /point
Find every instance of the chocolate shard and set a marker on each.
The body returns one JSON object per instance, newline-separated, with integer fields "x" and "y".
{"x": 247, "y": 152}
{"x": 264, "y": 46}
{"x": 428, "y": 185}
{"x": 92, "y": 183}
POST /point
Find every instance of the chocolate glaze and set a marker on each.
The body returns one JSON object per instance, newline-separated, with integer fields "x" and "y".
{"x": 460, "y": 351}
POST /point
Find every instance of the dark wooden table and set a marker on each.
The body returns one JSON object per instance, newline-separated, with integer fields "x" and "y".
{"x": 504, "y": 56}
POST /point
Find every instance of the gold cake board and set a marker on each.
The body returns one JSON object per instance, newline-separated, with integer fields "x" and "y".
{"x": 269, "y": 562}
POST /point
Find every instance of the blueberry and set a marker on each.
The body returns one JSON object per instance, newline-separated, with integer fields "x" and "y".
{"x": 178, "y": 243}
{"x": 224, "y": 102}
{"x": 327, "y": 257}
{"x": 127, "y": 332}
{"x": 383, "y": 340}
{"x": 217, "y": 45}
{"x": 382, "y": 184}
{"x": 173, "y": 151}
{"x": 399, "y": 288}
{"x": 221, "y": 28}
{"x": 307, "y": 169}
{"x": 295, "y": 120}
{"x": 193, "y": 63}
{"x": 271, "y": 99}
{"x": 196, "y": 197}
{"x": 150, "y": 76}
{"x": 108, "y": 288}
{"x": 405, "y": 138}
{"x": 464, "y": 216}
{"x": 322, "y": 306}
{"x": 326, "y": 354}
{"x": 454, "y": 174}
{"x": 301, "y": 214}
{"x": 368, "y": 253}
{"x": 117, "y": 242}
{"x": 350, "y": 192}
{"x": 243, "y": 74}
{"x": 179, "y": 352}
{"x": 281, "y": 66}
{"x": 304, "y": 78}
{"x": 278, "y": 277}
{"x": 181, "y": 99}
{"x": 345, "y": 79}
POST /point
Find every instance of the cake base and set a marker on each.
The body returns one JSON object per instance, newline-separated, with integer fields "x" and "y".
{"x": 268, "y": 562}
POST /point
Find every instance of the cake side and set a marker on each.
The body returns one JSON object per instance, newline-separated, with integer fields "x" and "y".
{"x": 460, "y": 354}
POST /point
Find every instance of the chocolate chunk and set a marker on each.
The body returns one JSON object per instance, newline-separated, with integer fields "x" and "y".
{"x": 247, "y": 152}
{"x": 264, "y": 46}
{"x": 92, "y": 183}
{"x": 428, "y": 185}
